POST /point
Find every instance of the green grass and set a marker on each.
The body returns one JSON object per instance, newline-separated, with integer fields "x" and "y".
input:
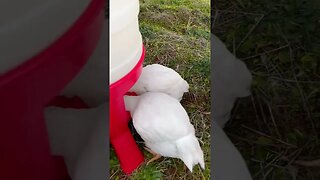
{"x": 279, "y": 124}
{"x": 176, "y": 34}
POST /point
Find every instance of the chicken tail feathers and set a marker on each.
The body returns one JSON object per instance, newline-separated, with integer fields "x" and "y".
{"x": 190, "y": 151}
{"x": 185, "y": 86}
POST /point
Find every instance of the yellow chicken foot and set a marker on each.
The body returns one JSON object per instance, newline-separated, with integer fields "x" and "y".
{"x": 155, "y": 155}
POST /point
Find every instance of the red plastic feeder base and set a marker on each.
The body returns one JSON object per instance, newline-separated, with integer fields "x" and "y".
{"x": 127, "y": 151}
{"x": 25, "y": 91}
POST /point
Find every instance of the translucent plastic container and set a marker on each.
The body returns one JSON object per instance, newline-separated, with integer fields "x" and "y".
{"x": 28, "y": 27}
{"x": 125, "y": 38}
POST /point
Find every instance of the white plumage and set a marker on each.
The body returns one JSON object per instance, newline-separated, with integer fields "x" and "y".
{"x": 227, "y": 162}
{"x": 231, "y": 80}
{"x": 158, "y": 78}
{"x": 79, "y": 135}
{"x": 164, "y": 125}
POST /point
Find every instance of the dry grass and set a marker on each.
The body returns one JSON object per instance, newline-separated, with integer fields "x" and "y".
{"x": 277, "y": 128}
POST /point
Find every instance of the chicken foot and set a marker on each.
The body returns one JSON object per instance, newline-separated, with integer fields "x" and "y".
{"x": 155, "y": 155}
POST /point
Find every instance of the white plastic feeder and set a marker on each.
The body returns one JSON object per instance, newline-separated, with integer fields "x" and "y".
{"x": 125, "y": 66}
{"x": 28, "y": 27}
{"x": 125, "y": 38}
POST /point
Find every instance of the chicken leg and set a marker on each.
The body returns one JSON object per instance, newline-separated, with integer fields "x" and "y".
{"x": 155, "y": 155}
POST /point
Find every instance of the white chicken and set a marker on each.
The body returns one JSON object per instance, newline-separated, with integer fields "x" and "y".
{"x": 227, "y": 162}
{"x": 231, "y": 80}
{"x": 164, "y": 125}
{"x": 79, "y": 135}
{"x": 158, "y": 78}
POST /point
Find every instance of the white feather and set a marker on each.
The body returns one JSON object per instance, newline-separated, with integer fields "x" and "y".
{"x": 79, "y": 135}
{"x": 227, "y": 162}
{"x": 158, "y": 78}
{"x": 164, "y": 125}
{"x": 231, "y": 80}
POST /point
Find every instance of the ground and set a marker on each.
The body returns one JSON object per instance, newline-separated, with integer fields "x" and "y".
{"x": 277, "y": 128}
{"x": 176, "y": 34}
